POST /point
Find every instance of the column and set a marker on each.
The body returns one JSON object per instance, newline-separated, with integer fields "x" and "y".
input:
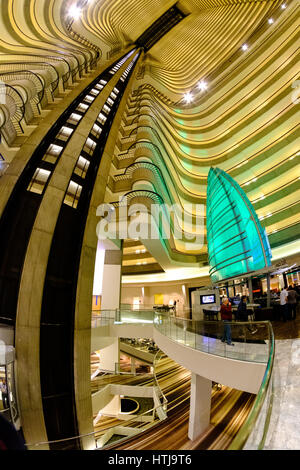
{"x": 109, "y": 353}
{"x": 200, "y": 404}
{"x": 111, "y": 287}
{"x": 250, "y": 288}
{"x": 268, "y": 290}
{"x": 285, "y": 280}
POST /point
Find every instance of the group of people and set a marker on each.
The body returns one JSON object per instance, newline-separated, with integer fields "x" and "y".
{"x": 288, "y": 303}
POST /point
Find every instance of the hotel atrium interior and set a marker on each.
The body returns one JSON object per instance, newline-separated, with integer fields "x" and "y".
{"x": 149, "y": 182}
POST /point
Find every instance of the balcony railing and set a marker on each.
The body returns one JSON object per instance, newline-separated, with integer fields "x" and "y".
{"x": 254, "y": 341}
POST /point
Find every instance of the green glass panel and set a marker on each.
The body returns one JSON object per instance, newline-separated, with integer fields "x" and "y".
{"x": 237, "y": 243}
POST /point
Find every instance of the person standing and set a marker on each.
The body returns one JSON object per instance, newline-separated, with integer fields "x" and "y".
{"x": 4, "y": 393}
{"x": 226, "y": 316}
{"x": 292, "y": 302}
{"x": 283, "y": 304}
{"x": 242, "y": 314}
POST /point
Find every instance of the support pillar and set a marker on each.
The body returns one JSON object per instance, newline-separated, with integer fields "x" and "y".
{"x": 111, "y": 287}
{"x": 268, "y": 290}
{"x": 200, "y": 404}
{"x": 250, "y": 288}
{"x": 109, "y": 353}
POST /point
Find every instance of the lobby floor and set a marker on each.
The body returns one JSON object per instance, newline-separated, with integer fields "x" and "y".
{"x": 284, "y": 428}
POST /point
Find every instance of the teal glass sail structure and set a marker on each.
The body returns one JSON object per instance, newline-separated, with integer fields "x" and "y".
{"x": 237, "y": 243}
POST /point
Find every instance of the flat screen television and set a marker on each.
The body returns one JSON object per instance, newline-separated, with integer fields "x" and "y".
{"x": 207, "y": 299}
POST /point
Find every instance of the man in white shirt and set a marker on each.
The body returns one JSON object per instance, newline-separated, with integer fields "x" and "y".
{"x": 283, "y": 304}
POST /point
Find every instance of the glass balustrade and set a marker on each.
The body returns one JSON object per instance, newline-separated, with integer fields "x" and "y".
{"x": 250, "y": 339}
{"x": 253, "y": 341}
{"x": 253, "y": 434}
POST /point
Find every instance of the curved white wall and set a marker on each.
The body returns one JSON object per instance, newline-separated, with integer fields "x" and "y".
{"x": 241, "y": 375}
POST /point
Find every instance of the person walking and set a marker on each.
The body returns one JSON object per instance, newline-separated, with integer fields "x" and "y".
{"x": 226, "y": 316}
{"x": 283, "y": 304}
{"x": 292, "y": 302}
{"x": 4, "y": 393}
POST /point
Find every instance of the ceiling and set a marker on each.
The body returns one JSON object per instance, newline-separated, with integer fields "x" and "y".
{"x": 244, "y": 121}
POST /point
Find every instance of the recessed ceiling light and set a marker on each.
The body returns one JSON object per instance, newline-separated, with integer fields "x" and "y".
{"x": 202, "y": 85}
{"x": 244, "y": 47}
{"x": 188, "y": 97}
{"x": 283, "y": 6}
{"x": 270, "y": 21}
{"x": 75, "y": 12}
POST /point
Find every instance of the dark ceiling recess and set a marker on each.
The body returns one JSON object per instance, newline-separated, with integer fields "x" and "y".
{"x": 160, "y": 27}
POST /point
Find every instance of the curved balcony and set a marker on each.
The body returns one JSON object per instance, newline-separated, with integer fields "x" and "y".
{"x": 197, "y": 346}
{"x": 196, "y": 337}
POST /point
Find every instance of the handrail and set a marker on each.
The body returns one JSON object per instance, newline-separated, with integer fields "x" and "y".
{"x": 136, "y": 193}
{"x": 240, "y": 439}
{"x": 95, "y": 433}
{"x": 155, "y": 361}
{"x": 79, "y": 436}
{"x": 244, "y": 433}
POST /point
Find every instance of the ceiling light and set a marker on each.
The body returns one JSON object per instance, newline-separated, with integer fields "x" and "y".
{"x": 270, "y": 21}
{"x": 244, "y": 47}
{"x": 188, "y": 97}
{"x": 75, "y": 12}
{"x": 283, "y": 6}
{"x": 202, "y": 85}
